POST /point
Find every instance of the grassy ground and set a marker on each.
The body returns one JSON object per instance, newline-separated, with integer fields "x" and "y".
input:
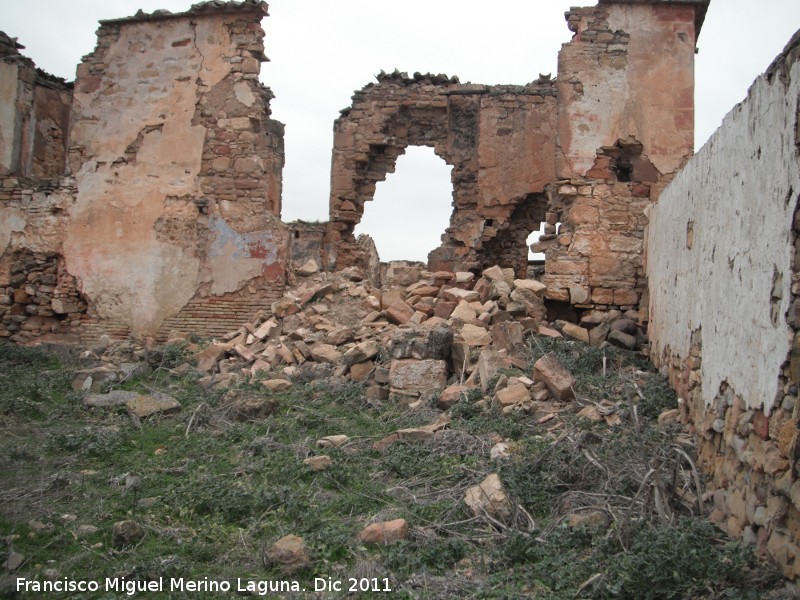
{"x": 213, "y": 492}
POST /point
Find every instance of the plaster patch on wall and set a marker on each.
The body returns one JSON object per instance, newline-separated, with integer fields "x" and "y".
{"x": 243, "y": 93}
{"x": 641, "y": 85}
{"x": 735, "y": 281}
{"x": 235, "y": 258}
{"x": 11, "y": 221}
{"x": 8, "y": 103}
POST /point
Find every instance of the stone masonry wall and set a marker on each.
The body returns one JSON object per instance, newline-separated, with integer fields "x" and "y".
{"x": 500, "y": 141}
{"x": 589, "y": 150}
{"x": 173, "y": 213}
{"x": 625, "y": 127}
{"x": 37, "y": 294}
{"x": 34, "y": 116}
{"x": 723, "y": 262}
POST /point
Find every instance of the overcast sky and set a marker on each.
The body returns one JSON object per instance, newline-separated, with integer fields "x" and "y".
{"x": 321, "y": 51}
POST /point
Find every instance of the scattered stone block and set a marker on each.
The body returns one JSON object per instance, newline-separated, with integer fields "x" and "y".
{"x": 558, "y": 380}
{"x": 548, "y": 332}
{"x": 421, "y": 343}
{"x": 456, "y": 295}
{"x": 623, "y": 340}
{"x": 267, "y": 329}
{"x": 333, "y": 441}
{"x": 489, "y": 363}
{"x": 277, "y": 385}
{"x": 537, "y": 287}
{"x": 490, "y": 498}
{"x": 399, "y": 313}
{"x": 508, "y": 336}
{"x": 288, "y": 554}
{"x": 575, "y": 332}
{"x": 386, "y": 532}
{"x": 318, "y": 463}
{"x": 112, "y": 398}
{"x": 464, "y": 312}
{"x": 475, "y": 336}
{"x": 14, "y": 561}
{"x": 418, "y": 376}
{"x": 207, "y": 359}
{"x": 512, "y": 395}
{"x": 326, "y": 353}
{"x": 361, "y": 352}
{"x": 126, "y": 533}
{"x": 598, "y": 334}
{"x": 452, "y": 394}
{"x": 310, "y": 267}
{"x": 361, "y": 371}
{"x": 156, "y": 403}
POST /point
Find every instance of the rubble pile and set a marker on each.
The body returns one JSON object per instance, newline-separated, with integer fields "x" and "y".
{"x": 421, "y": 336}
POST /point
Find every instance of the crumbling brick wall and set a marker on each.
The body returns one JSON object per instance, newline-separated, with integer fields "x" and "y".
{"x": 34, "y": 116}
{"x": 723, "y": 262}
{"x": 589, "y": 151}
{"x": 174, "y": 205}
{"x": 625, "y": 127}
{"x": 37, "y": 294}
{"x": 500, "y": 141}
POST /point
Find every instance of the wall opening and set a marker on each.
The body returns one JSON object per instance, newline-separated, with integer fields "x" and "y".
{"x": 510, "y": 247}
{"x": 411, "y": 209}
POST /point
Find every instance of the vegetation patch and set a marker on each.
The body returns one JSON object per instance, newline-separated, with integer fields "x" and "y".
{"x": 599, "y": 510}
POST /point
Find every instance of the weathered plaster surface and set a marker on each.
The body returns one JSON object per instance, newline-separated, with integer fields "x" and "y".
{"x": 719, "y": 247}
{"x": 8, "y": 112}
{"x": 11, "y": 221}
{"x": 639, "y": 85}
{"x": 111, "y": 245}
{"x": 235, "y": 258}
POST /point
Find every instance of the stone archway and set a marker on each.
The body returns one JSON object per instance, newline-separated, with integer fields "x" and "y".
{"x": 499, "y": 141}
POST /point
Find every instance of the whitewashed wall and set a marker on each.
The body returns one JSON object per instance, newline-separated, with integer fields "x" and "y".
{"x": 737, "y": 197}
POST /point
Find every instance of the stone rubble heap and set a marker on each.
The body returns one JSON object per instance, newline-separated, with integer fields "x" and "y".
{"x": 423, "y": 335}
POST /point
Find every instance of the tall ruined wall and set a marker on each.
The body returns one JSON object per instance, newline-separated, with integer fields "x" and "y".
{"x": 172, "y": 218}
{"x": 500, "y": 141}
{"x": 588, "y": 151}
{"x": 723, "y": 262}
{"x": 34, "y": 116}
{"x": 625, "y": 126}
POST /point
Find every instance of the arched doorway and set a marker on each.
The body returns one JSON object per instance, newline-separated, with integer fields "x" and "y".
{"x": 411, "y": 208}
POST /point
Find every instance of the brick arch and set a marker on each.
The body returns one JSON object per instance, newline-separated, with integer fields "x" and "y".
{"x": 435, "y": 111}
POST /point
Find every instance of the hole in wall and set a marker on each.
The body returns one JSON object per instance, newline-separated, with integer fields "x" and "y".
{"x": 510, "y": 245}
{"x": 411, "y": 209}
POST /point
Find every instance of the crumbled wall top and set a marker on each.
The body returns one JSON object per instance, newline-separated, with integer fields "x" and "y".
{"x": 10, "y": 52}
{"x": 9, "y": 45}
{"x": 702, "y": 7}
{"x": 201, "y": 8}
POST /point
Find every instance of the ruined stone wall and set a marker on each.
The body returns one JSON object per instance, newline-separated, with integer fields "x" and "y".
{"x": 588, "y": 151}
{"x": 625, "y": 126}
{"x": 171, "y": 221}
{"x": 38, "y": 295}
{"x": 307, "y": 242}
{"x": 500, "y": 141}
{"x": 34, "y": 116}
{"x": 723, "y": 262}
